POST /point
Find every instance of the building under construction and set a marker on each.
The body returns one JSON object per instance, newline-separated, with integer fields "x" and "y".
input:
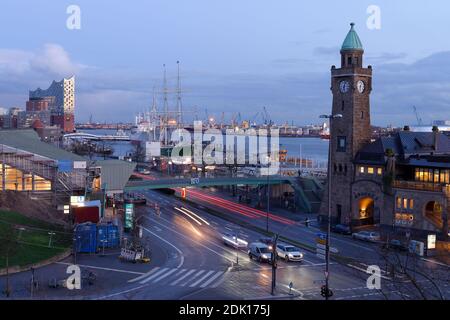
{"x": 29, "y": 165}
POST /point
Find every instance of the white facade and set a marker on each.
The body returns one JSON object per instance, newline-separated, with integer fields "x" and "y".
{"x": 63, "y": 93}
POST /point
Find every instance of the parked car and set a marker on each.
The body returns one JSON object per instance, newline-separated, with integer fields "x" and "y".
{"x": 341, "y": 228}
{"x": 289, "y": 253}
{"x": 396, "y": 245}
{"x": 260, "y": 252}
{"x": 367, "y": 236}
{"x": 233, "y": 241}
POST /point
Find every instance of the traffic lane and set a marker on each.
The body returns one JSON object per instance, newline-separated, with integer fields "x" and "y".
{"x": 197, "y": 268}
{"x": 218, "y": 227}
{"x": 305, "y": 275}
{"x": 344, "y": 244}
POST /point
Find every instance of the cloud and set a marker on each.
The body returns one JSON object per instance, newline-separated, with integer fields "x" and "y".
{"x": 290, "y": 88}
{"x": 53, "y": 59}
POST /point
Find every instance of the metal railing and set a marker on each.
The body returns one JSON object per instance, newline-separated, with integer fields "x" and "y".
{"x": 420, "y": 186}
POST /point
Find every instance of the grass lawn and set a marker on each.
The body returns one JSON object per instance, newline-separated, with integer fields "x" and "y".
{"x": 33, "y": 239}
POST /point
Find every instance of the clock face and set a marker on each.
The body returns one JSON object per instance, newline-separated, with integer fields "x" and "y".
{"x": 361, "y": 86}
{"x": 344, "y": 86}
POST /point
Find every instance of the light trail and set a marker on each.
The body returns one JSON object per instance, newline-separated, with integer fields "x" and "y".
{"x": 198, "y": 222}
{"x": 251, "y": 211}
{"x": 196, "y": 215}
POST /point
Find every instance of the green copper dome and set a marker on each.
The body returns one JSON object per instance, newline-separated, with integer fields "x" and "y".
{"x": 352, "y": 41}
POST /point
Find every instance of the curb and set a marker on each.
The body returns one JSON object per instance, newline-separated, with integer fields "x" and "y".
{"x": 18, "y": 269}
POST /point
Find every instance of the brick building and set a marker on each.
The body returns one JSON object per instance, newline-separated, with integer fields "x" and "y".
{"x": 400, "y": 182}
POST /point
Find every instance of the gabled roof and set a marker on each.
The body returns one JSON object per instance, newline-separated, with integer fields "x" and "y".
{"x": 407, "y": 145}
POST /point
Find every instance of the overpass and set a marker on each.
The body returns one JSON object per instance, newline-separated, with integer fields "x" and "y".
{"x": 308, "y": 194}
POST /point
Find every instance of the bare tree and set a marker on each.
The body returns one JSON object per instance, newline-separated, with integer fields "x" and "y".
{"x": 411, "y": 277}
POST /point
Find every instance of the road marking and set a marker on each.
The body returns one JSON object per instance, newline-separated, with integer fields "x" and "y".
{"x": 201, "y": 279}
{"x": 365, "y": 271}
{"x": 195, "y": 276}
{"x": 144, "y": 275}
{"x": 435, "y": 262}
{"x": 197, "y": 242}
{"x": 170, "y": 244}
{"x": 154, "y": 275}
{"x": 164, "y": 276}
{"x": 178, "y": 280}
{"x": 210, "y": 280}
{"x": 101, "y": 268}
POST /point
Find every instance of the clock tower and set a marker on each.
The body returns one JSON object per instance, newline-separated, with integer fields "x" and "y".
{"x": 351, "y": 85}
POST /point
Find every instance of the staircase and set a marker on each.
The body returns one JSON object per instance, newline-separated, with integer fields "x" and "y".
{"x": 309, "y": 193}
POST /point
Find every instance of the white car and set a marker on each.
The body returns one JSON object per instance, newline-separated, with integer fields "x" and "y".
{"x": 233, "y": 241}
{"x": 367, "y": 236}
{"x": 289, "y": 253}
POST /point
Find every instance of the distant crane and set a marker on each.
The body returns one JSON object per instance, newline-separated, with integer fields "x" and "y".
{"x": 266, "y": 117}
{"x": 419, "y": 119}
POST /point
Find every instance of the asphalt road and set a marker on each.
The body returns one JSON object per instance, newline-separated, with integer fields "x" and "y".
{"x": 190, "y": 261}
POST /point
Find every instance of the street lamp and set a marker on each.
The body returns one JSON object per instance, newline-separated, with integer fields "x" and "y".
{"x": 327, "y": 250}
{"x": 268, "y": 194}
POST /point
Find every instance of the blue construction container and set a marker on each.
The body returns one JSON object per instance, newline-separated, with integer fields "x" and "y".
{"x": 108, "y": 235}
{"x": 86, "y": 237}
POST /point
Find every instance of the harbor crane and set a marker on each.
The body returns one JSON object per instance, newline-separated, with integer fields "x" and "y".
{"x": 419, "y": 120}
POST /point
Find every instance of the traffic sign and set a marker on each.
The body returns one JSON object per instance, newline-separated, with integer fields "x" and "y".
{"x": 321, "y": 235}
{"x": 321, "y": 256}
{"x": 321, "y": 251}
{"x": 321, "y": 246}
{"x": 321, "y": 241}
{"x": 334, "y": 250}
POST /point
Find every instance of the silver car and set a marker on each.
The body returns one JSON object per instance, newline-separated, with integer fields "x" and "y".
{"x": 367, "y": 236}
{"x": 289, "y": 253}
{"x": 260, "y": 252}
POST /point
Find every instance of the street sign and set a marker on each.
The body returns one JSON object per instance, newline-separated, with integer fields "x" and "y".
{"x": 321, "y": 241}
{"x": 320, "y": 256}
{"x": 129, "y": 213}
{"x": 321, "y": 251}
{"x": 321, "y": 246}
{"x": 322, "y": 236}
{"x": 195, "y": 181}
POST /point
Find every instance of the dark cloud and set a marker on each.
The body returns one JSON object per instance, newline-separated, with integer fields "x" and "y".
{"x": 289, "y": 92}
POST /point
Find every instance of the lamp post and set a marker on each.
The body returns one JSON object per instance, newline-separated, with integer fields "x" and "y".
{"x": 268, "y": 194}
{"x": 327, "y": 249}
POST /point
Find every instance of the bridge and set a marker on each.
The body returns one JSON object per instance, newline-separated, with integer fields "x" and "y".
{"x": 308, "y": 191}
{"x": 94, "y": 137}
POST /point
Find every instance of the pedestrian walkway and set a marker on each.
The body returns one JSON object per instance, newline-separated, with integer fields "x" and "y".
{"x": 192, "y": 278}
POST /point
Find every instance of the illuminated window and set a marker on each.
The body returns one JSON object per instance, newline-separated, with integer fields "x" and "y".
{"x": 405, "y": 203}
{"x": 399, "y": 202}
{"x": 370, "y": 170}
{"x": 361, "y": 169}
{"x": 411, "y": 203}
{"x": 379, "y": 171}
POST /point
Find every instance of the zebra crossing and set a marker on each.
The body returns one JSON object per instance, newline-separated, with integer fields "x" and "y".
{"x": 192, "y": 278}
